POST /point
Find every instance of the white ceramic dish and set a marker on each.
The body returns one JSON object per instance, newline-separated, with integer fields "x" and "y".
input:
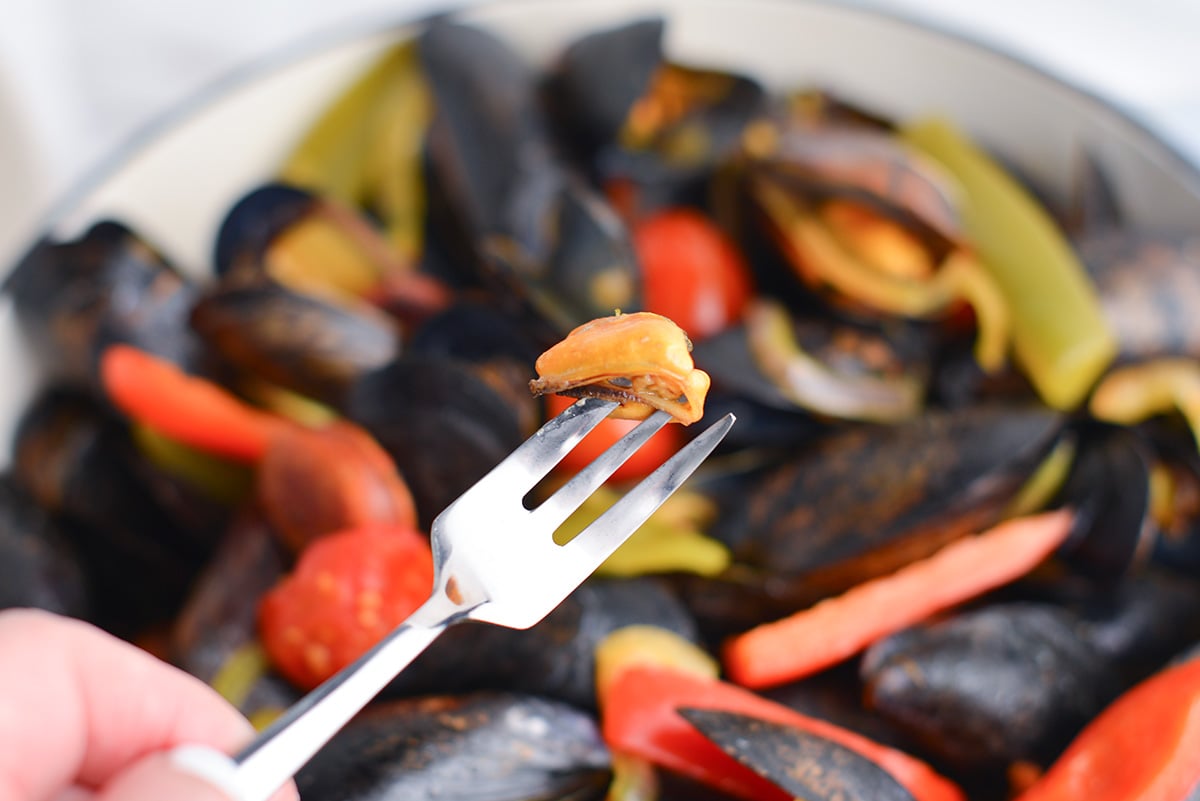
{"x": 175, "y": 182}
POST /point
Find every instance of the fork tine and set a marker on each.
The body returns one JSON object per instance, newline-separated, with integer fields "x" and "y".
{"x": 555, "y": 509}
{"x": 612, "y": 528}
{"x": 539, "y": 454}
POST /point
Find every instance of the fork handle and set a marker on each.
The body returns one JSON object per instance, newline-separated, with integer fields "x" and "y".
{"x": 280, "y": 750}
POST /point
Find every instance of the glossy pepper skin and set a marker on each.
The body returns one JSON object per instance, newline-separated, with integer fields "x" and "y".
{"x": 1144, "y": 747}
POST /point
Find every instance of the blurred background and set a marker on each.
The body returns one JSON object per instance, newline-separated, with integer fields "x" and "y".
{"x": 78, "y": 78}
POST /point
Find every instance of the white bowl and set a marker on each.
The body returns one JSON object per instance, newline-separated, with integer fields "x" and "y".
{"x": 174, "y": 183}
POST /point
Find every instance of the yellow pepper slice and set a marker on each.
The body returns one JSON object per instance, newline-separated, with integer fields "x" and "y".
{"x": 1060, "y": 335}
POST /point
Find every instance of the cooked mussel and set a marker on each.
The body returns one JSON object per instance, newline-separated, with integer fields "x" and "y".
{"x": 317, "y": 346}
{"x": 802, "y": 763}
{"x": 38, "y": 564}
{"x": 534, "y": 233}
{"x": 141, "y": 541}
{"x": 641, "y": 360}
{"x": 987, "y": 688}
{"x": 831, "y": 369}
{"x": 443, "y": 424}
{"x": 868, "y": 500}
{"x": 74, "y": 298}
{"x": 481, "y": 747}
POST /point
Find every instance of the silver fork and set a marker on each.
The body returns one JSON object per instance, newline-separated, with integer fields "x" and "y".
{"x": 494, "y": 560}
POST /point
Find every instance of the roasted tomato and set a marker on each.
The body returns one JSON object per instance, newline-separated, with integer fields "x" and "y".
{"x": 348, "y": 590}
{"x": 691, "y": 272}
{"x": 641, "y": 360}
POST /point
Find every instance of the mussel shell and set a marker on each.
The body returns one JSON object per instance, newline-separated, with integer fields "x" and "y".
{"x": 443, "y": 425}
{"x": 1136, "y": 623}
{"x": 599, "y": 77}
{"x": 555, "y": 658}
{"x": 219, "y": 620}
{"x": 804, "y": 764}
{"x": 38, "y": 566}
{"x": 481, "y": 747}
{"x": 474, "y": 331}
{"x": 989, "y": 687}
{"x": 80, "y": 463}
{"x": 1149, "y": 287}
{"x": 864, "y": 502}
{"x": 76, "y": 298}
{"x": 537, "y": 236}
{"x": 1108, "y": 486}
{"x": 312, "y": 345}
{"x": 897, "y": 354}
{"x": 254, "y": 221}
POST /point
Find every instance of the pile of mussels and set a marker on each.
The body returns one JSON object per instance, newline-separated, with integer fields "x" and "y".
{"x": 926, "y": 351}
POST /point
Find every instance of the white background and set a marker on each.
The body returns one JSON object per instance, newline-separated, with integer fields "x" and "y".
{"x": 78, "y": 78}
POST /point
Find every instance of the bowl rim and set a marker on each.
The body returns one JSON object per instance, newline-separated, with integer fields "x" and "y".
{"x": 313, "y": 43}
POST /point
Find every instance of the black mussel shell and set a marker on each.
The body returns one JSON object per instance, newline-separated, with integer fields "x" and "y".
{"x": 481, "y": 747}
{"x": 1108, "y": 486}
{"x": 315, "y": 346}
{"x": 992, "y": 686}
{"x": 474, "y": 331}
{"x": 443, "y": 425}
{"x": 555, "y": 658}
{"x": 599, "y": 77}
{"x": 804, "y": 764}
{"x": 81, "y": 464}
{"x": 76, "y": 298}
{"x": 38, "y": 565}
{"x": 836, "y": 695}
{"x": 866, "y": 501}
{"x": 537, "y": 236}
{"x": 254, "y": 221}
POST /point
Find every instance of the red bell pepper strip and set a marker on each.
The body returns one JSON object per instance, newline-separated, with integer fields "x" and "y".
{"x": 839, "y": 627}
{"x": 348, "y": 590}
{"x": 639, "y": 717}
{"x": 1144, "y": 747}
{"x": 193, "y": 411}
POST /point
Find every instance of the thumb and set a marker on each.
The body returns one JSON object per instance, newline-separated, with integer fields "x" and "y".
{"x": 155, "y": 778}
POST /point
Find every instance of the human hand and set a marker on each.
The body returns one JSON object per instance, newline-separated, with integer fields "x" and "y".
{"x": 84, "y": 715}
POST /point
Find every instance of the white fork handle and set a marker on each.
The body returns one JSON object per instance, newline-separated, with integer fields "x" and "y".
{"x": 275, "y": 755}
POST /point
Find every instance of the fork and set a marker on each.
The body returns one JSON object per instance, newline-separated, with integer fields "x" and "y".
{"x": 494, "y": 561}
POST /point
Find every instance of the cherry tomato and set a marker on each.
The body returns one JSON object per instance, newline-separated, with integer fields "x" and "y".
{"x": 691, "y": 272}
{"x": 347, "y": 591}
{"x": 656, "y": 451}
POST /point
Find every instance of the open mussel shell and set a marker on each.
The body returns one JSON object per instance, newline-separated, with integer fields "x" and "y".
{"x": 598, "y": 78}
{"x": 140, "y": 549}
{"x": 443, "y": 424}
{"x": 536, "y": 236}
{"x": 803, "y": 764}
{"x": 311, "y": 243}
{"x": 315, "y": 346}
{"x": 992, "y": 686}
{"x": 38, "y": 565}
{"x": 866, "y": 501}
{"x": 75, "y": 298}
{"x": 479, "y": 747}
{"x": 821, "y": 366}
{"x": 1108, "y": 486}
{"x": 555, "y": 658}
{"x": 860, "y": 164}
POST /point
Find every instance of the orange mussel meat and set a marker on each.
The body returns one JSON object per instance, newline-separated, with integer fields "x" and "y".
{"x": 642, "y": 360}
